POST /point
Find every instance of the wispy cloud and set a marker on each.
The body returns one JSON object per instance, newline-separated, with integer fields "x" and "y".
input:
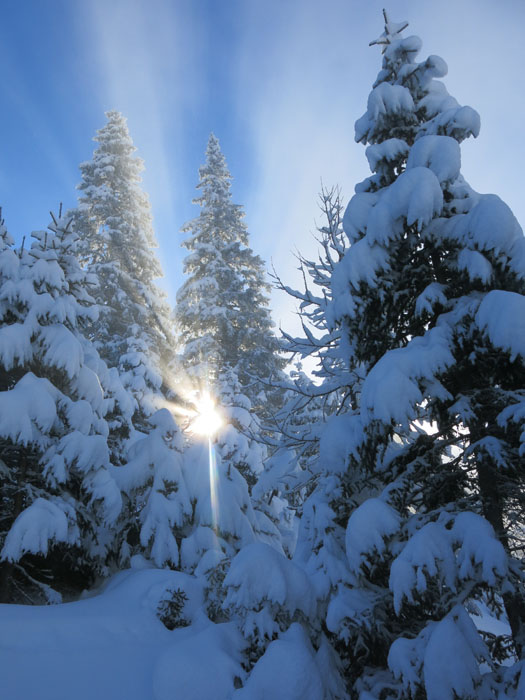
{"x": 300, "y": 94}
{"x": 149, "y": 60}
{"x": 281, "y": 83}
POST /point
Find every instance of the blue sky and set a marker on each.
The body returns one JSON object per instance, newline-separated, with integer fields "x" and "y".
{"x": 280, "y": 82}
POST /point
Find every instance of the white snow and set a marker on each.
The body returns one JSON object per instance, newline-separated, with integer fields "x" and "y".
{"x": 259, "y": 573}
{"x": 394, "y": 385}
{"x": 62, "y": 349}
{"x": 108, "y": 646}
{"x": 356, "y": 214}
{"x": 476, "y": 264}
{"x": 195, "y": 546}
{"x": 340, "y": 438}
{"x": 42, "y": 522}
{"x": 391, "y": 150}
{"x": 385, "y": 99}
{"x": 428, "y": 553}
{"x": 480, "y": 548}
{"x": 415, "y": 196}
{"x": 368, "y": 526}
{"x": 405, "y": 660}
{"x": 27, "y": 409}
{"x": 437, "y": 99}
{"x": 469, "y": 550}
{"x": 440, "y": 154}
{"x": 288, "y": 670}
{"x": 200, "y": 665}
{"x": 87, "y": 385}
{"x": 458, "y": 122}
{"x": 348, "y": 603}
{"x": 361, "y": 263}
{"x": 431, "y": 295}
{"x": 15, "y": 345}
{"x": 490, "y": 226}
{"x": 516, "y": 413}
{"x": 501, "y": 315}
{"x": 450, "y": 667}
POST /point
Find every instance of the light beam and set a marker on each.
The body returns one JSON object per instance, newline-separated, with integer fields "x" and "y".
{"x": 207, "y": 420}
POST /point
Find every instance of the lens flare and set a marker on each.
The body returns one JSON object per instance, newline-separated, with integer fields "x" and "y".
{"x": 207, "y": 420}
{"x": 214, "y": 477}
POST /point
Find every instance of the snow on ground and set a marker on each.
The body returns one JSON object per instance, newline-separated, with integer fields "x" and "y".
{"x": 111, "y": 646}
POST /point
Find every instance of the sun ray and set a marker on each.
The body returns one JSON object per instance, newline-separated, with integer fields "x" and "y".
{"x": 212, "y": 460}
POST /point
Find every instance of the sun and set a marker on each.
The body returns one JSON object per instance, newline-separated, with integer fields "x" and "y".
{"x": 207, "y": 420}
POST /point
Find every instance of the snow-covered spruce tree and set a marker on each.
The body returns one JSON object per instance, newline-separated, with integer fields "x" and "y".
{"x": 58, "y": 497}
{"x": 316, "y": 427}
{"x": 222, "y": 308}
{"x": 187, "y": 503}
{"x": 238, "y": 444}
{"x": 429, "y": 298}
{"x": 113, "y": 218}
{"x": 219, "y": 470}
{"x": 270, "y": 599}
{"x": 278, "y": 604}
{"x": 159, "y": 511}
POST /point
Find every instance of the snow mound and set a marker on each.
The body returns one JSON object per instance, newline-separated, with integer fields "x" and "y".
{"x": 106, "y": 646}
{"x": 200, "y": 666}
{"x": 288, "y": 670}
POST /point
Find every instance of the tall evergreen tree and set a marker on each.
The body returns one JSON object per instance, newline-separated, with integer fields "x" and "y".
{"x": 134, "y": 331}
{"x": 58, "y": 496}
{"x": 222, "y": 308}
{"x": 157, "y": 506}
{"x": 429, "y": 300}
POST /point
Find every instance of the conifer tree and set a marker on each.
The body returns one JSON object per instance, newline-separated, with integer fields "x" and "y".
{"x": 158, "y": 509}
{"x": 58, "y": 498}
{"x": 426, "y": 460}
{"x": 222, "y": 308}
{"x": 134, "y": 331}
{"x": 220, "y": 466}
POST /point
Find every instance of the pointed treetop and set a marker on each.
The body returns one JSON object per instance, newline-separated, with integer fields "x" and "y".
{"x": 214, "y": 152}
{"x": 392, "y": 32}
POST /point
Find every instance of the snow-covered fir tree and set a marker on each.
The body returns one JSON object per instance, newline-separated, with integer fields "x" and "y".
{"x": 221, "y": 465}
{"x": 222, "y": 308}
{"x": 422, "y": 470}
{"x": 57, "y": 404}
{"x": 158, "y": 508}
{"x": 113, "y": 218}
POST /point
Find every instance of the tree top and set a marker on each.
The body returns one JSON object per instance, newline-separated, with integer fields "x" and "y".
{"x": 392, "y": 33}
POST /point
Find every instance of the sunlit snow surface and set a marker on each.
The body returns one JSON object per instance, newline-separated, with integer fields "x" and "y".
{"x": 112, "y": 646}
